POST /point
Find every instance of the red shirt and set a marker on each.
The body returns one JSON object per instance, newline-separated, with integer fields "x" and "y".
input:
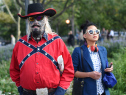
{"x": 32, "y": 64}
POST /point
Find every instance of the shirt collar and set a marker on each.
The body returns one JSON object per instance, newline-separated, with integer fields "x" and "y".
{"x": 91, "y": 52}
{"x": 89, "y": 49}
{"x": 44, "y": 35}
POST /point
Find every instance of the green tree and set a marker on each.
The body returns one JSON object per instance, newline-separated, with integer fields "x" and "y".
{"x": 61, "y": 7}
{"x": 105, "y": 13}
{"x": 9, "y": 17}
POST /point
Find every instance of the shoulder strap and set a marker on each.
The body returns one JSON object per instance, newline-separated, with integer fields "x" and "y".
{"x": 82, "y": 58}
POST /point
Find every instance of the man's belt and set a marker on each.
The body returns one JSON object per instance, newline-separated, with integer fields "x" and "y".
{"x": 29, "y": 90}
{"x": 34, "y": 91}
{"x": 51, "y": 90}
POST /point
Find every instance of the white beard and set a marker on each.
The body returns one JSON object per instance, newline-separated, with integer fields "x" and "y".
{"x": 42, "y": 25}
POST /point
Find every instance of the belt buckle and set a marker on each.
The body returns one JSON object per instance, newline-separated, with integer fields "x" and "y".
{"x": 42, "y": 91}
{"x": 25, "y": 90}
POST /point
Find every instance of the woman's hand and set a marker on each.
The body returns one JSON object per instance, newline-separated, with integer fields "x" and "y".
{"x": 109, "y": 69}
{"x": 95, "y": 75}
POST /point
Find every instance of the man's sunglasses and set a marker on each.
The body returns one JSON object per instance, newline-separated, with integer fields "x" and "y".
{"x": 38, "y": 18}
{"x": 91, "y": 32}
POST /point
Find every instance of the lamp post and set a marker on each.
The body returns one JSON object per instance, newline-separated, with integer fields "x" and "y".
{"x": 67, "y": 21}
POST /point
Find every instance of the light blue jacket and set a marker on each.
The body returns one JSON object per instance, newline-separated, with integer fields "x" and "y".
{"x": 89, "y": 83}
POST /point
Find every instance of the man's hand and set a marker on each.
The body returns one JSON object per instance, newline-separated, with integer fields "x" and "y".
{"x": 95, "y": 75}
{"x": 20, "y": 90}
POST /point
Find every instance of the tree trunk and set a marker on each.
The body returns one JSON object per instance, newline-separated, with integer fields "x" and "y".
{"x": 26, "y": 7}
{"x": 72, "y": 20}
{"x": 18, "y": 25}
{"x": 9, "y": 12}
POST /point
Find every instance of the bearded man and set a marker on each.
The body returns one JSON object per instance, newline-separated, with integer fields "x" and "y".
{"x": 34, "y": 62}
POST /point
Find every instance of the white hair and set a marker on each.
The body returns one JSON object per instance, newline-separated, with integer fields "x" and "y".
{"x": 48, "y": 29}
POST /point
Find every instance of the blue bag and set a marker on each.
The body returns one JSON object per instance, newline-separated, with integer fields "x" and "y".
{"x": 109, "y": 78}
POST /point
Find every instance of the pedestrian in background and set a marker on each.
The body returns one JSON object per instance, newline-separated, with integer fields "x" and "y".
{"x": 78, "y": 37}
{"x": 12, "y": 39}
{"x": 81, "y": 35}
{"x": 70, "y": 39}
{"x": 103, "y": 35}
{"x": 111, "y": 34}
{"x": 108, "y": 32}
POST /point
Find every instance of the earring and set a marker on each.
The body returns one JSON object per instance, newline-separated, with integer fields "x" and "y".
{"x": 85, "y": 43}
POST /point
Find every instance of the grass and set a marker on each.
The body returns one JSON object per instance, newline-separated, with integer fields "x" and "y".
{"x": 116, "y": 54}
{"x": 6, "y": 85}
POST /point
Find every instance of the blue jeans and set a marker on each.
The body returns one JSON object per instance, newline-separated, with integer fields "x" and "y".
{"x": 51, "y": 93}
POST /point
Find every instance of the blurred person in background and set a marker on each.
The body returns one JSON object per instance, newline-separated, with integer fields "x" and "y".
{"x": 111, "y": 34}
{"x": 12, "y": 39}
{"x": 70, "y": 39}
{"x": 77, "y": 37}
{"x": 103, "y": 35}
{"x": 108, "y": 32}
{"x": 81, "y": 35}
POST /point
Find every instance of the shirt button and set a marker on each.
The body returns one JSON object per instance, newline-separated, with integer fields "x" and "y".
{"x": 37, "y": 82}
{"x": 37, "y": 73}
{"x": 45, "y": 53}
{"x": 37, "y": 63}
{"x": 38, "y": 49}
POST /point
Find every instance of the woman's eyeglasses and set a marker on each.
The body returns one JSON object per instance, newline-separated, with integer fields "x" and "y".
{"x": 91, "y": 32}
{"x": 38, "y": 18}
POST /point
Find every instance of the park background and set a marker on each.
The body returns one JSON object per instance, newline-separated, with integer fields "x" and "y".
{"x": 110, "y": 14}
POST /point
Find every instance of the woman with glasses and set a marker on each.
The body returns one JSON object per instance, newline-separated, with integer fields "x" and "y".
{"x": 94, "y": 62}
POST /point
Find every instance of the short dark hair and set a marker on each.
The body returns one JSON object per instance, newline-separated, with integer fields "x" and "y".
{"x": 86, "y": 25}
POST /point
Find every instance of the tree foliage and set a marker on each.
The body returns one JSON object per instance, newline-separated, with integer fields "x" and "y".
{"x": 105, "y": 13}
{"x": 5, "y": 18}
{"x": 63, "y": 8}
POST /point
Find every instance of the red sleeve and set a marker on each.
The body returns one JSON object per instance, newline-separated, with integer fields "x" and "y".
{"x": 14, "y": 69}
{"x": 68, "y": 73}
